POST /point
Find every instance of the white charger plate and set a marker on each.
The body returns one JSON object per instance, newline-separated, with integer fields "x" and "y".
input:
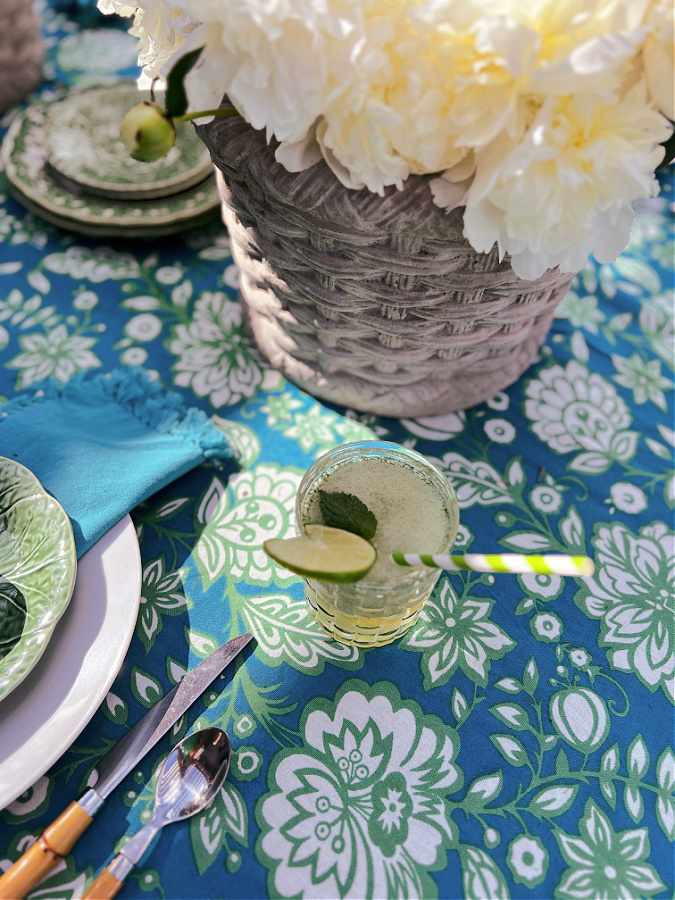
{"x": 44, "y": 715}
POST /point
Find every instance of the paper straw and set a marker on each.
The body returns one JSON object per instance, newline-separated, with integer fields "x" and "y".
{"x": 516, "y": 563}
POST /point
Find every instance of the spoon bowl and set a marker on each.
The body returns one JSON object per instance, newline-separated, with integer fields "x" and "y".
{"x": 188, "y": 780}
{"x": 191, "y": 775}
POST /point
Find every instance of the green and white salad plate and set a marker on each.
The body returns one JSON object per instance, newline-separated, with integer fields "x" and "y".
{"x": 37, "y": 557}
{"x": 84, "y": 150}
{"x": 32, "y": 182}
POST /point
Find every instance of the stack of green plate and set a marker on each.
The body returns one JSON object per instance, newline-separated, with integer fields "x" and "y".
{"x": 65, "y": 162}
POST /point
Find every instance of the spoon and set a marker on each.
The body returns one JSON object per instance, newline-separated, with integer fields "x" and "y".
{"x": 189, "y": 779}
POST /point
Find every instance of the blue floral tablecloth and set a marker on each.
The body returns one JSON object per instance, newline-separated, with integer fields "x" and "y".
{"x": 518, "y": 742}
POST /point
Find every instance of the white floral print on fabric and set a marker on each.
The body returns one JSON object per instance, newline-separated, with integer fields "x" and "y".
{"x": 528, "y": 860}
{"x": 582, "y": 312}
{"x": 628, "y": 497}
{"x": 360, "y": 809}
{"x": 632, "y": 595}
{"x": 56, "y": 354}
{"x": 215, "y": 358}
{"x": 643, "y": 378}
{"x": 161, "y": 595}
{"x": 256, "y": 505}
{"x": 573, "y": 409}
{"x": 546, "y": 627}
{"x": 456, "y": 632}
{"x": 605, "y": 863}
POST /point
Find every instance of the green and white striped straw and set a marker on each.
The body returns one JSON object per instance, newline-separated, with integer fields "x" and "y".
{"x": 516, "y": 563}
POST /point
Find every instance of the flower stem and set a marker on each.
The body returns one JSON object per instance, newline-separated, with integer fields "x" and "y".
{"x": 186, "y": 117}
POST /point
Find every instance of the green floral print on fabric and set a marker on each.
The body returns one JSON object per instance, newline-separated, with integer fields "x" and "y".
{"x": 359, "y": 810}
{"x": 454, "y": 632}
{"x": 631, "y": 595}
{"x": 604, "y": 863}
{"x": 161, "y": 595}
{"x": 643, "y": 378}
{"x": 214, "y": 356}
{"x": 577, "y": 411}
{"x": 256, "y": 505}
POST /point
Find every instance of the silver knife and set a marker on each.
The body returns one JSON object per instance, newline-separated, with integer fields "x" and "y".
{"x": 61, "y": 836}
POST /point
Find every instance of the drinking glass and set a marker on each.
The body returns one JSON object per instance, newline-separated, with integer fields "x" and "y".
{"x": 420, "y": 509}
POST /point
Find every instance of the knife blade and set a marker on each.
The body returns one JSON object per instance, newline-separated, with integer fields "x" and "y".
{"x": 60, "y": 837}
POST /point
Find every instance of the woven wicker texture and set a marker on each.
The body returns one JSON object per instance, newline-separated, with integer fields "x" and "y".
{"x": 374, "y": 303}
{"x": 21, "y": 51}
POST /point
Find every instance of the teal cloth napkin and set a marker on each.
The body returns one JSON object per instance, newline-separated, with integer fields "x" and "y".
{"x": 104, "y": 443}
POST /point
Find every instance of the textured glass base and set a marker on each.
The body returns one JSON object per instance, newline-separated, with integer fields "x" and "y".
{"x": 360, "y": 628}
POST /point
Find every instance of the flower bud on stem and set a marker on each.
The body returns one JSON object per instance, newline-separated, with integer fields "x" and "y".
{"x": 149, "y": 132}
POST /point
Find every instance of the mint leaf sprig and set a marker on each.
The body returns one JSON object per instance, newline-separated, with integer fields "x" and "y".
{"x": 345, "y": 511}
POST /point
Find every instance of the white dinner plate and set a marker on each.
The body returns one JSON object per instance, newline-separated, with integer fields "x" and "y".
{"x": 43, "y": 715}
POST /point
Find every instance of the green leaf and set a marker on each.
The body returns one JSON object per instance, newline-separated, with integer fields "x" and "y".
{"x": 176, "y": 99}
{"x": 514, "y": 472}
{"x": 609, "y": 764}
{"x": 637, "y": 758}
{"x": 12, "y": 616}
{"x": 665, "y": 814}
{"x": 608, "y": 792}
{"x": 531, "y": 677}
{"x": 525, "y": 605}
{"x": 345, "y": 511}
{"x": 510, "y": 748}
{"x": 579, "y": 347}
{"x": 459, "y": 705}
{"x": 591, "y": 463}
{"x": 572, "y": 530}
{"x": 553, "y": 801}
{"x": 484, "y": 789}
{"x": 562, "y": 765}
{"x": 665, "y": 770}
{"x": 658, "y": 448}
{"x": 115, "y": 709}
{"x": 632, "y": 798}
{"x": 509, "y": 685}
{"x": 639, "y": 273}
{"x": 620, "y": 322}
{"x": 511, "y": 714}
{"x": 146, "y": 689}
{"x": 623, "y": 445}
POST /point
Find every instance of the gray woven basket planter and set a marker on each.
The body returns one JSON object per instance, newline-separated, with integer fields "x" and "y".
{"x": 21, "y": 51}
{"x": 375, "y": 303}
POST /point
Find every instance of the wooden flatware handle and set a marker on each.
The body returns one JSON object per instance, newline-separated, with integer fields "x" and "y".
{"x": 105, "y": 886}
{"x": 56, "y": 842}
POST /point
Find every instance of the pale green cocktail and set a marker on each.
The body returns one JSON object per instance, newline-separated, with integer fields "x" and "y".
{"x": 416, "y": 511}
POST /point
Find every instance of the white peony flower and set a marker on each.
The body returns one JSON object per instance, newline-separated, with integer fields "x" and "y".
{"x": 282, "y": 63}
{"x": 161, "y": 31}
{"x": 116, "y": 7}
{"x": 538, "y": 115}
{"x": 566, "y": 190}
{"x": 659, "y": 55}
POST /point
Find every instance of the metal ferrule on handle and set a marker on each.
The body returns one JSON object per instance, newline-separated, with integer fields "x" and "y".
{"x": 110, "y": 880}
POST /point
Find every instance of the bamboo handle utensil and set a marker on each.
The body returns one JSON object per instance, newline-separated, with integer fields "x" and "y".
{"x": 189, "y": 779}
{"x": 60, "y": 837}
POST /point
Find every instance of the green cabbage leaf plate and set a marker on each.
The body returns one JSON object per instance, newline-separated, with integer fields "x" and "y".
{"x": 38, "y": 558}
